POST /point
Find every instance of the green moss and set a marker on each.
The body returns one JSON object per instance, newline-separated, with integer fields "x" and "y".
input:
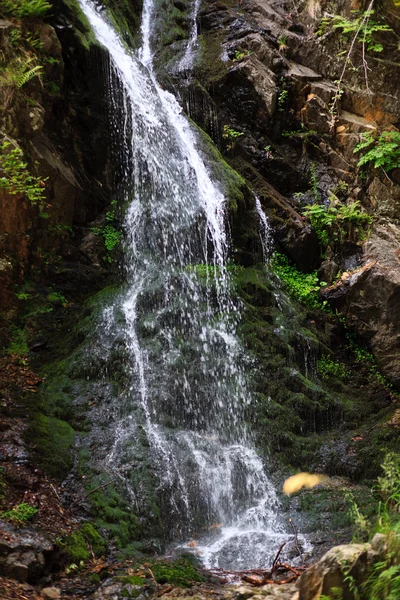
{"x": 53, "y": 440}
{"x": 210, "y": 67}
{"x": 82, "y": 27}
{"x": 133, "y": 580}
{"x": 327, "y": 508}
{"x": 20, "y": 515}
{"x": 18, "y": 345}
{"x": 79, "y": 545}
{"x": 180, "y": 572}
{"x": 233, "y": 185}
{"x": 112, "y": 512}
{"x": 125, "y": 15}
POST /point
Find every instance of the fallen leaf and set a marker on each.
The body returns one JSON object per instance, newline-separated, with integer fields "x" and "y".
{"x": 296, "y": 482}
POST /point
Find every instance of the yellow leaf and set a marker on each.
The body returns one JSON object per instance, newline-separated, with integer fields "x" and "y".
{"x": 307, "y": 480}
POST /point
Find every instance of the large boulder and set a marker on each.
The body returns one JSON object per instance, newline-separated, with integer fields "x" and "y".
{"x": 340, "y": 566}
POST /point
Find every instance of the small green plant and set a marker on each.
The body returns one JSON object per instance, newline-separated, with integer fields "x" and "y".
{"x": 364, "y": 357}
{"x": 230, "y": 135}
{"x": 282, "y": 99}
{"x": 52, "y": 88}
{"x": 15, "y": 176}
{"x": 282, "y": 43}
{"x": 327, "y": 367}
{"x": 15, "y": 36}
{"x": 20, "y": 514}
{"x": 57, "y": 298}
{"x": 111, "y": 236}
{"x": 23, "y": 296}
{"x": 341, "y": 189}
{"x": 383, "y": 151}
{"x": 60, "y": 228}
{"x": 24, "y": 9}
{"x": 20, "y": 71}
{"x": 302, "y": 286}
{"x": 241, "y": 54}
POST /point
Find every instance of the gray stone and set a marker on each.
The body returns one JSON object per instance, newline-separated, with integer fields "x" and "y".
{"x": 261, "y": 79}
{"x": 301, "y": 72}
{"x": 52, "y": 593}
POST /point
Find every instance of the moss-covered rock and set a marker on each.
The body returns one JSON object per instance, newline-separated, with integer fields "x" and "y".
{"x": 79, "y": 546}
{"x": 53, "y": 440}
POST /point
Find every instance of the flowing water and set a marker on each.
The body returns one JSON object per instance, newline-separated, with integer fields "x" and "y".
{"x": 177, "y": 318}
{"x": 187, "y": 60}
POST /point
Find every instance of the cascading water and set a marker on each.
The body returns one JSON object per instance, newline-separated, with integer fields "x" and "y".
{"x": 186, "y": 391}
{"x": 186, "y": 62}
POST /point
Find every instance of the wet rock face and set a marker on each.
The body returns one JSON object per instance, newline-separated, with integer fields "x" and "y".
{"x": 370, "y": 299}
{"x": 24, "y": 555}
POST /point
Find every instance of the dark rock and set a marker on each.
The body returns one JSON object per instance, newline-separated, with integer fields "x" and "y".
{"x": 369, "y": 297}
{"x": 316, "y": 115}
{"x": 328, "y": 271}
{"x": 25, "y": 555}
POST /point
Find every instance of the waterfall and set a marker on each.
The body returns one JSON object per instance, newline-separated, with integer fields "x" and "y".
{"x": 186, "y": 394}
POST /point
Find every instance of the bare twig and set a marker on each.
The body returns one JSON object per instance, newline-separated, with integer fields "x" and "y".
{"x": 296, "y": 539}
{"x": 82, "y": 498}
{"x": 275, "y": 561}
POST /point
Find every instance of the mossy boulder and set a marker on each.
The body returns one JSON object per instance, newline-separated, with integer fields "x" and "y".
{"x": 53, "y": 440}
{"x": 79, "y": 546}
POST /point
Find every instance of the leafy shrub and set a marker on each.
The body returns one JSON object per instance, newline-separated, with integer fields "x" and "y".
{"x": 20, "y": 514}
{"x": 23, "y": 9}
{"x": 327, "y": 367}
{"x": 362, "y": 26}
{"x": 15, "y": 176}
{"x": 335, "y": 224}
{"x": 384, "y": 581}
{"x": 383, "y": 151}
{"x": 302, "y": 286}
{"x": 230, "y": 135}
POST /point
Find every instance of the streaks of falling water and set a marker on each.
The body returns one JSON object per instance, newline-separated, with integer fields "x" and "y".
{"x": 187, "y": 386}
{"x": 264, "y": 230}
{"x": 186, "y": 62}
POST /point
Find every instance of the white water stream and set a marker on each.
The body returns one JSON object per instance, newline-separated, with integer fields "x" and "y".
{"x": 186, "y": 368}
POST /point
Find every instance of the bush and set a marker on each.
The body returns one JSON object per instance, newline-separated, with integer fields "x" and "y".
{"x": 15, "y": 176}
{"x": 327, "y": 368}
{"x": 336, "y": 224}
{"x": 23, "y": 9}
{"x": 383, "y": 151}
{"x": 302, "y": 286}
